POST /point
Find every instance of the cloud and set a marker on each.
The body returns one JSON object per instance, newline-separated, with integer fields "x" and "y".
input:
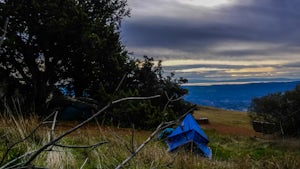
{"x": 169, "y": 24}
{"x": 233, "y": 33}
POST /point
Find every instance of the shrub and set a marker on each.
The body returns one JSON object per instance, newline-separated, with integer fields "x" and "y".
{"x": 282, "y": 109}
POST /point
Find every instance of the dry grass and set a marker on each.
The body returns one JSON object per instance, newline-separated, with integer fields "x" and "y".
{"x": 220, "y": 116}
{"x": 229, "y": 151}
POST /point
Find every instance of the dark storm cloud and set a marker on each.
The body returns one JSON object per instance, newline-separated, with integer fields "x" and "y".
{"x": 294, "y": 65}
{"x": 157, "y": 32}
{"x": 267, "y": 21}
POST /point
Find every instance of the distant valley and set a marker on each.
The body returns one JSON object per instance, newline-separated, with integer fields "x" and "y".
{"x": 234, "y": 96}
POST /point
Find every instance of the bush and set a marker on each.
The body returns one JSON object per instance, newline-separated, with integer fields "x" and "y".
{"x": 282, "y": 109}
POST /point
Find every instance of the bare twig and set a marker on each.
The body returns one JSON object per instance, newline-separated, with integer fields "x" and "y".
{"x": 53, "y": 126}
{"x": 119, "y": 85}
{"x": 169, "y": 101}
{"x": 84, "y": 163}
{"x": 135, "y": 98}
{"x": 85, "y": 146}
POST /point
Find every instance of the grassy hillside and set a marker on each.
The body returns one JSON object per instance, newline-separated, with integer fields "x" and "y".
{"x": 226, "y": 117}
{"x": 234, "y": 145}
{"x": 225, "y": 121}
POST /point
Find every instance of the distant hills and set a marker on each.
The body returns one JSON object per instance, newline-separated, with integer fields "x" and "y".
{"x": 234, "y": 96}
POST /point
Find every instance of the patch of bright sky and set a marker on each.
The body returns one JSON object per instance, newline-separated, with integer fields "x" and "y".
{"x": 251, "y": 70}
{"x": 224, "y": 83}
{"x": 237, "y": 70}
{"x": 180, "y": 62}
{"x": 198, "y": 70}
{"x": 205, "y": 3}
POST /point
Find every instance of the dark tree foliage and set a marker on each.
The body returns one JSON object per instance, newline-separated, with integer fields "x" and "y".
{"x": 53, "y": 41}
{"x": 283, "y": 109}
{"x": 147, "y": 79}
{"x": 76, "y": 45}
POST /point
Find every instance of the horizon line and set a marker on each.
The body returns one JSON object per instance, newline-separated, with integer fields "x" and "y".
{"x": 235, "y": 83}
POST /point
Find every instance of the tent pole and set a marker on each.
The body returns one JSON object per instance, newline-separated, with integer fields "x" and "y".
{"x": 192, "y": 147}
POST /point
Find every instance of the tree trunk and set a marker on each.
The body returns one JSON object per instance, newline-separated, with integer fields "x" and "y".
{"x": 40, "y": 94}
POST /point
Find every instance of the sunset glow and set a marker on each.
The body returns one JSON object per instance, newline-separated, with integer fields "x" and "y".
{"x": 223, "y": 62}
{"x": 251, "y": 70}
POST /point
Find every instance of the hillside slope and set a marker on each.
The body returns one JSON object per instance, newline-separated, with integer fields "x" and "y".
{"x": 225, "y": 121}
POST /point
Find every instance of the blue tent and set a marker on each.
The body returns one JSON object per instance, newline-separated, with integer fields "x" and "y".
{"x": 189, "y": 132}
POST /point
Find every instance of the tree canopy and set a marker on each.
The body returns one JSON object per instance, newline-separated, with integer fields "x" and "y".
{"x": 53, "y": 42}
{"x": 76, "y": 45}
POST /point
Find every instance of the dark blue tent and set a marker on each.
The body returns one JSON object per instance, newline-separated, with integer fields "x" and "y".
{"x": 189, "y": 132}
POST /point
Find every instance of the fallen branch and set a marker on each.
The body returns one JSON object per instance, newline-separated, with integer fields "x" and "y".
{"x": 44, "y": 147}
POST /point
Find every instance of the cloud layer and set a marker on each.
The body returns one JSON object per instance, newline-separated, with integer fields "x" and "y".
{"x": 230, "y": 31}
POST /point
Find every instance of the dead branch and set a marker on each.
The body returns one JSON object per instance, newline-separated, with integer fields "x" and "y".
{"x": 159, "y": 128}
{"x": 119, "y": 85}
{"x": 28, "y": 167}
{"x": 44, "y": 147}
{"x": 169, "y": 101}
{"x": 84, "y": 163}
{"x": 85, "y": 146}
{"x": 53, "y": 126}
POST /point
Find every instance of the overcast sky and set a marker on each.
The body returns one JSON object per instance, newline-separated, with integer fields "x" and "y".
{"x": 218, "y": 41}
